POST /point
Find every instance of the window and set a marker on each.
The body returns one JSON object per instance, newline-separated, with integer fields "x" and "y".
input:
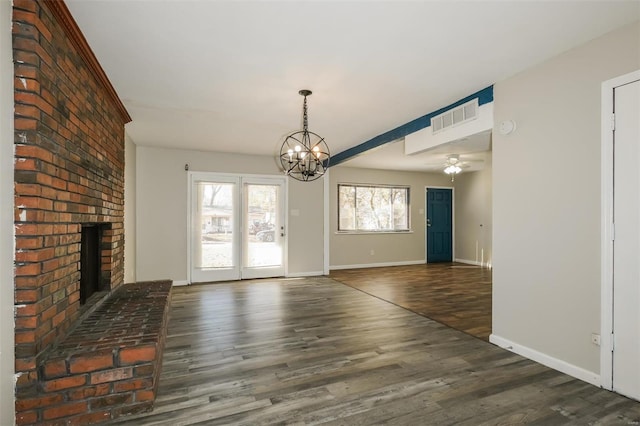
{"x": 373, "y": 208}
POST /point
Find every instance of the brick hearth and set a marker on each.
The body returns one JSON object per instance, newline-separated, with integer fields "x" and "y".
{"x": 109, "y": 365}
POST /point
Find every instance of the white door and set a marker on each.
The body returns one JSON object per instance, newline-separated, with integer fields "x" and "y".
{"x": 263, "y": 241}
{"x": 237, "y": 227}
{"x": 626, "y": 245}
{"x": 214, "y": 228}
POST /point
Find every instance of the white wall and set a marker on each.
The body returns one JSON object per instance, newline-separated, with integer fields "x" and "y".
{"x": 473, "y": 215}
{"x": 546, "y": 177}
{"x": 389, "y": 248}
{"x": 7, "y": 236}
{"x": 129, "y": 210}
{"x": 161, "y": 219}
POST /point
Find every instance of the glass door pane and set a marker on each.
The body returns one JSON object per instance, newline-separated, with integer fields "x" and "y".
{"x": 264, "y": 236}
{"x": 215, "y": 249}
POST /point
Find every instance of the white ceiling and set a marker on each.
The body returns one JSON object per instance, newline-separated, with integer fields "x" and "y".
{"x": 224, "y": 75}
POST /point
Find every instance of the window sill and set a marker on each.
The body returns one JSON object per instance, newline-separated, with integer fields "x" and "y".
{"x": 372, "y": 232}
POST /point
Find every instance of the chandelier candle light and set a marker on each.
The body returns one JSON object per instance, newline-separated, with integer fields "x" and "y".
{"x": 304, "y": 155}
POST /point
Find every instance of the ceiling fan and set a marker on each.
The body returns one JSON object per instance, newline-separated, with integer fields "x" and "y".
{"x": 454, "y": 165}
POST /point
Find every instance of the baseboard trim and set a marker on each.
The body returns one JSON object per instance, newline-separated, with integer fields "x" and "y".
{"x": 378, "y": 265}
{"x": 549, "y": 361}
{"x": 472, "y": 262}
{"x": 305, "y": 274}
{"x": 180, "y": 283}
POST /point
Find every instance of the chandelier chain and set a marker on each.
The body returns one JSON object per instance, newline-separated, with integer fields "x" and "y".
{"x": 305, "y": 121}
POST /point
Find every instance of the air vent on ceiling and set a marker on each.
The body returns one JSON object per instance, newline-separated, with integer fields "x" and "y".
{"x": 455, "y": 116}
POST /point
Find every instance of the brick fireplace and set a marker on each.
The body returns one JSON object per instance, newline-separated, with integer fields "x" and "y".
{"x": 69, "y": 177}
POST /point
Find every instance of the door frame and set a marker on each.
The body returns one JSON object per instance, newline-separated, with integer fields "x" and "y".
{"x": 453, "y": 221}
{"x": 285, "y": 220}
{"x": 606, "y": 227}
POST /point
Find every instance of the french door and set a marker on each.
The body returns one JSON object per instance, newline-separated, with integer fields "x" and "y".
{"x": 237, "y": 227}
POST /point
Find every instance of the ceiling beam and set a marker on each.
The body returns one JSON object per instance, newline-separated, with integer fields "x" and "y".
{"x": 484, "y": 96}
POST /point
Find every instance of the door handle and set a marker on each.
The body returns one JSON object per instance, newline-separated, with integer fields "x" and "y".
{"x": 428, "y": 223}
{"x": 282, "y": 231}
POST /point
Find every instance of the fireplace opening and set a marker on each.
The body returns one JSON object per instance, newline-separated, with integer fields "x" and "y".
{"x": 90, "y": 261}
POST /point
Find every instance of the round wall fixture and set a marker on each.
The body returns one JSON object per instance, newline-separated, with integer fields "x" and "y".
{"x": 507, "y": 127}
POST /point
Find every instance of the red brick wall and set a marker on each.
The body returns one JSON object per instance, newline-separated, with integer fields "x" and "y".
{"x": 69, "y": 170}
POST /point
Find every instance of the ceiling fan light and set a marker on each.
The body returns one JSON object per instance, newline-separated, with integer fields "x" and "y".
{"x": 452, "y": 169}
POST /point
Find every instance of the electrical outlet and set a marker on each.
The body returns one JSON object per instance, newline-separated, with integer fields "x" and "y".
{"x": 372, "y": 252}
{"x": 595, "y": 339}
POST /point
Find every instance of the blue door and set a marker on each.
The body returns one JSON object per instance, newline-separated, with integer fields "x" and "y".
{"x": 439, "y": 225}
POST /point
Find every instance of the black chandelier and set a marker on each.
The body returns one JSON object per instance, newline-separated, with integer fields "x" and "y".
{"x": 304, "y": 155}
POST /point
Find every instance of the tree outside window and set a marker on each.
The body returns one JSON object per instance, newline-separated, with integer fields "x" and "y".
{"x": 373, "y": 208}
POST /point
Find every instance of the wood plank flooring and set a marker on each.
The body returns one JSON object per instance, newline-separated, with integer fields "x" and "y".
{"x": 314, "y": 351}
{"x": 454, "y": 294}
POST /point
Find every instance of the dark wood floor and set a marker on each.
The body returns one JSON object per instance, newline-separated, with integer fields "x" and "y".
{"x": 454, "y": 294}
{"x": 312, "y": 350}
